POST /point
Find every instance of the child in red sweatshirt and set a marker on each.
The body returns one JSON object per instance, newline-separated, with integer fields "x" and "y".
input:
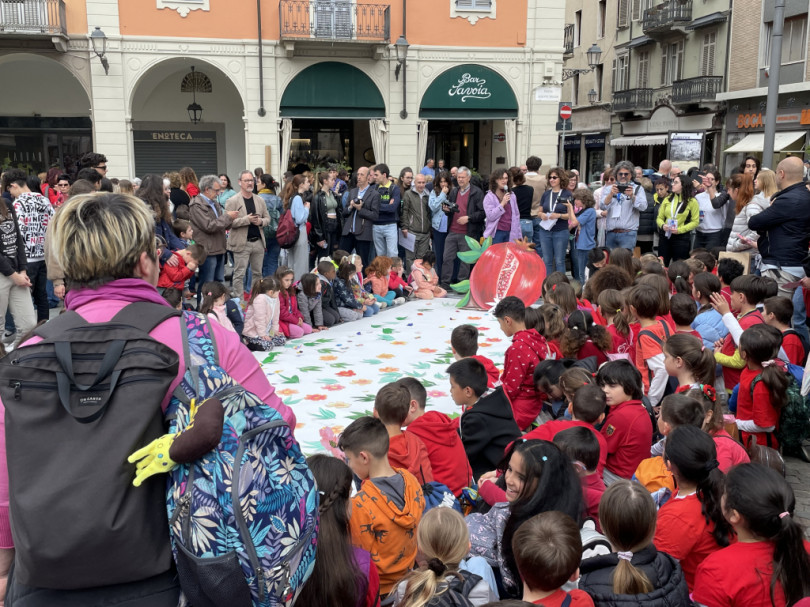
{"x": 396, "y": 282}
{"x": 527, "y": 350}
{"x": 464, "y": 342}
{"x": 582, "y": 447}
{"x": 405, "y": 450}
{"x": 188, "y": 260}
{"x": 628, "y": 428}
{"x": 439, "y": 434}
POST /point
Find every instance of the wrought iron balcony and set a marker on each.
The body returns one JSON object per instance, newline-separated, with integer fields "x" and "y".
{"x": 632, "y": 99}
{"x": 568, "y": 39}
{"x": 334, "y": 20}
{"x": 663, "y": 17}
{"x": 694, "y": 90}
{"x": 33, "y": 17}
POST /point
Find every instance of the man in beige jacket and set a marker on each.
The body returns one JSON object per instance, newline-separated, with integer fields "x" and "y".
{"x": 246, "y": 239}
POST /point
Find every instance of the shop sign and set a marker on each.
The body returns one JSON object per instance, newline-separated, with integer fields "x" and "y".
{"x": 594, "y": 141}
{"x": 470, "y": 87}
{"x": 474, "y": 90}
{"x": 756, "y": 120}
{"x": 572, "y": 142}
{"x": 548, "y": 93}
{"x": 500, "y": 137}
{"x": 180, "y": 136}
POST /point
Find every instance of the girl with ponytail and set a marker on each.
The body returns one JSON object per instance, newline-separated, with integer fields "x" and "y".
{"x": 584, "y": 338}
{"x": 678, "y": 274}
{"x": 729, "y": 450}
{"x": 612, "y": 308}
{"x": 627, "y": 514}
{"x": 443, "y": 541}
{"x": 769, "y": 565}
{"x": 688, "y": 360}
{"x": 343, "y": 576}
{"x": 691, "y": 525}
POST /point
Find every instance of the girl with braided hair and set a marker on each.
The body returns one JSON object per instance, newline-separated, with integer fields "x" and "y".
{"x": 343, "y": 576}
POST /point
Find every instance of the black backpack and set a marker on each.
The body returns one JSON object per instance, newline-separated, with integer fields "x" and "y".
{"x": 803, "y": 339}
{"x": 77, "y": 403}
{"x": 459, "y": 588}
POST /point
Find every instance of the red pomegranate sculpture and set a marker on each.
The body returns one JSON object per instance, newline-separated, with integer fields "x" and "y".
{"x": 508, "y": 268}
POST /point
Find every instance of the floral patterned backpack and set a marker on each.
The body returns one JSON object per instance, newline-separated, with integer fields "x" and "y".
{"x": 243, "y": 518}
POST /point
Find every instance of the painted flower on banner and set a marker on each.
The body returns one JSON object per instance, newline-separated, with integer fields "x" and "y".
{"x": 388, "y": 369}
{"x": 315, "y": 397}
{"x": 328, "y": 357}
{"x": 361, "y": 382}
{"x": 329, "y": 440}
{"x": 398, "y": 343}
{"x": 339, "y": 404}
{"x": 348, "y": 373}
{"x": 436, "y": 394}
{"x": 493, "y": 340}
{"x": 427, "y": 350}
{"x": 286, "y": 392}
{"x": 385, "y": 356}
{"x": 333, "y": 387}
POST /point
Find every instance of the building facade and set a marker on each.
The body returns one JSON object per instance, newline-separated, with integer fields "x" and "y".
{"x": 324, "y": 86}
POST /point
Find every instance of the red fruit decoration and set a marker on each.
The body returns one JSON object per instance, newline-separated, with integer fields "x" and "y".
{"x": 508, "y": 268}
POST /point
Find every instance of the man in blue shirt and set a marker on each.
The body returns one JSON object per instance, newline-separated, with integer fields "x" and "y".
{"x": 428, "y": 171}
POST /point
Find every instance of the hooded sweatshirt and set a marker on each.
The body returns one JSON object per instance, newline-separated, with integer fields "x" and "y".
{"x": 493, "y": 375}
{"x": 486, "y": 428}
{"x": 408, "y": 451}
{"x": 527, "y": 350}
{"x": 34, "y": 212}
{"x": 445, "y": 451}
{"x": 385, "y": 514}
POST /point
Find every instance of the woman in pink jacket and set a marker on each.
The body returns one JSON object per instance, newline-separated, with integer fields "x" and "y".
{"x": 423, "y": 278}
{"x": 500, "y": 207}
{"x": 290, "y": 318}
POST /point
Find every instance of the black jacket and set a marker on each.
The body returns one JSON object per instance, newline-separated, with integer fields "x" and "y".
{"x": 328, "y": 300}
{"x": 235, "y": 316}
{"x": 663, "y": 571}
{"x": 486, "y": 429}
{"x": 366, "y": 215}
{"x": 784, "y": 227}
{"x": 12, "y": 245}
{"x": 475, "y": 211}
{"x": 317, "y": 217}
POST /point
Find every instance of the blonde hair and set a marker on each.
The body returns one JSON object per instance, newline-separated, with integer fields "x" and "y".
{"x": 444, "y": 540}
{"x": 766, "y": 182}
{"x": 97, "y": 238}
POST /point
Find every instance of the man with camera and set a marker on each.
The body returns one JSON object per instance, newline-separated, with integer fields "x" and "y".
{"x": 466, "y": 217}
{"x": 622, "y": 207}
{"x": 361, "y": 212}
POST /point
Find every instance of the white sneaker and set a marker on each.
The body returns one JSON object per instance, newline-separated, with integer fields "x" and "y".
{"x": 399, "y": 301}
{"x": 382, "y": 305}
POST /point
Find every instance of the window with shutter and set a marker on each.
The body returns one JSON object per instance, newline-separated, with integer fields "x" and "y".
{"x": 600, "y": 19}
{"x": 471, "y": 10}
{"x": 707, "y": 61}
{"x": 623, "y": 73}
{"x": 613, "y": 77}
{"x": 575, "y": 86}
{"x": 636, "y": 10}
{"x": 644, "y": 70}
{"x": 624, "y": 6}
{"x": 664, "y": 66}
{"x": 475, "y": 5}
{"x": 678, "y": 49}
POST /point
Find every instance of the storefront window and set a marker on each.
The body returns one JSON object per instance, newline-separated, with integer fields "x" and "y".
{"x": 36, "y": 151}
{"x": 320, "y": 144}
{"x": 596, "y": 163}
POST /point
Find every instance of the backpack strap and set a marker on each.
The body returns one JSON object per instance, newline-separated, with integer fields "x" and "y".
{"x": 567, "y": 601}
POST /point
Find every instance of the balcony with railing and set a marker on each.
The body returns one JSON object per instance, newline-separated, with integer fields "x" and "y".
{"x": 334, "y": 20}
{"x": 568, "y": 39}
{"x": 695, "y": 90}
{"x": 33, "y": 18}
{"x": 662, "y": 18}
{"x": 632, "y": 99}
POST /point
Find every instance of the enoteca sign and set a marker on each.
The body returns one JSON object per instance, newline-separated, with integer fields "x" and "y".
{"x": 469, "y": 91}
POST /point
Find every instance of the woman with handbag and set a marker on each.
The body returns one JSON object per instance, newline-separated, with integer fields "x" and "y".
{"x": 325, "y": 216}
{"x": 298, "y": 255}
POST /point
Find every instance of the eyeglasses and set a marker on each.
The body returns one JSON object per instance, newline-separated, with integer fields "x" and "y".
{"x": 102, "y": 167}
{"x": 623, "y": 174}
{"x": 611, "y": 179}
{"x": 553, "y": 177}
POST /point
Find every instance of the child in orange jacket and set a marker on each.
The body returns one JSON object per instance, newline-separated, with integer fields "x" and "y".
{"x": 377, "y": 275}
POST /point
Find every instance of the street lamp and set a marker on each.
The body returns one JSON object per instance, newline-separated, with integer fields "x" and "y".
{"x": 194, "y": 109}
{"x": 401, "y": 46}
{"x": 99, "y": 41}
{"x": 594, "y": 54}
{"x": 593, "y": 99}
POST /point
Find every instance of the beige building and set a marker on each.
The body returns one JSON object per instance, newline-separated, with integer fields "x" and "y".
{"x": 654, "y": 94}
{"x": 749, "y": 73}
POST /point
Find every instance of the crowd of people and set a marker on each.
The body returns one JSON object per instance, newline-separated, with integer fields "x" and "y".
{"x": 625, "y": 450}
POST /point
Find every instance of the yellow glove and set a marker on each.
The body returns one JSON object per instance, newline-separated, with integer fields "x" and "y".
{"x": 154, "y": 459}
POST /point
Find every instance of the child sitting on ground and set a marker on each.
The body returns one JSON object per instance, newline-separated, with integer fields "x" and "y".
{"x": 377, "y": 276}
{"x": 387, "y": 509}
{"x": 291, "y": 321}
{"x": 683, "y": 311}
{"x": 396, "y": 282}
{"x": 729, "y": 450}
{"x": 188, "y": 260}
{"x": 329, "y": 307}
{"x": 553, "y": 327}
{"x": 464, "y": 343}
{"x": 627, "y": 514}
{"x": 688, "y": 360}
{"x": 362, "y": 294}
{"x": 778, "y": 312}
{"x": 487, "y": 425}
{"x": 439, "y": 433}
{"x": 444, "y": 540}
{"x": 563, "y": 295}
{"x": 582, "y": 447}
{"x": 583, "y": 338}
{"x": 528, "y": 348}
{"x": 213, "y": 304}
{"x": 261, "y": 332}
{"x": 309, "y": 299}
{"x": 349, "y": 306}
{"x": 627, "y": 428}
{"x": 727, "y": 270}
{"x": 548, "y": 549}
{"x": 708, "y": 322}
{"x": 611, "y": 307}
{"x": 405, "y": 449}
{"x": 424, "y": 279}
{"x": 644, "y": 303}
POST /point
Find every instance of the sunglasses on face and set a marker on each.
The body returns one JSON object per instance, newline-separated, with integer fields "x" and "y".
{"x": 553, "y": 177}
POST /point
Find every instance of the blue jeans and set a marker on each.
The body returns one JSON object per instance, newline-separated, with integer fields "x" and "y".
{"x": 371, "y": 310}
{"x": 625, "y": 240}
{"x": 270, "y": 263}
{"x": 385, "y": 239}
{"x": 501, "y": 236}
{"x": 580, "y": 259}
{"x": 527, "y": 228}
{"x": 212, "y": 269}
{"x": 552, "y": 247}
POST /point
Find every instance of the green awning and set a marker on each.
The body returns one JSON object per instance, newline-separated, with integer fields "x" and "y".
{"x": 332, "y": 90}
{"x": 469, "y": 91}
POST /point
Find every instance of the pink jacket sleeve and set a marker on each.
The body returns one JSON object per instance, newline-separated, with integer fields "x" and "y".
{"x": 275, "y": 309}
{"x": 420, "y": 280}
{"x": 261, "y": 315}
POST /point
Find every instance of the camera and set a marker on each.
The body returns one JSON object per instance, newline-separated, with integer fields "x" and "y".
{"x": 452, "y": 207}
{"x": 623, "y": 186}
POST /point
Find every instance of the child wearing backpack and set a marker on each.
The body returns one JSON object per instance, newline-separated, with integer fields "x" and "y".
{"x": 444, "y": 577}
{"x": 309, "y": 299}
{"x": 769, "y": 565}
{"x": 583, "y": 338}
{"x": 261, "y": 332}
{"x": 691, "y": 525}
{"x": 389, "y": 505}
{"x": 627, "y": 514}
{"x": 644, "y": 303}
{"x": 538, "y": 477}
{"x": 611, "y": 307}
{"x": 344, "y": 575}
{"x": 291, "y": 321}
{"x": 778, "y": 312}
{"x": 439, "y": 433}
{"x": 405, "y": 449}
{"x": 548, "y": 549}
{"x": 627, "y": 428}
